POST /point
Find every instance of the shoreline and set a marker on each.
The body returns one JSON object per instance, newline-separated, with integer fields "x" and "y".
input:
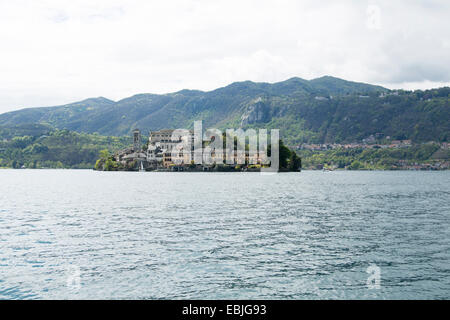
{"x": 200, "y": 171}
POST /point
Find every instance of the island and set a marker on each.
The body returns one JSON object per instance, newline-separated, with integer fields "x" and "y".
{"x": 160, "y": 154}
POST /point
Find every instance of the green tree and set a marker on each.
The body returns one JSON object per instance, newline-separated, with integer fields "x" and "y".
{"x": 356, "y": 165}
{"x": 295, "y": 162}
{"x": 285, "y": 155}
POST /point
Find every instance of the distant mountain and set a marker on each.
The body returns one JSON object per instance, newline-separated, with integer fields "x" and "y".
{"x": 326, "y": 109}
{"x": 58, "y": 117}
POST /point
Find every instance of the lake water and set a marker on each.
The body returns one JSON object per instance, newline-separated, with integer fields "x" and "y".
{"x": 79, "y": 234}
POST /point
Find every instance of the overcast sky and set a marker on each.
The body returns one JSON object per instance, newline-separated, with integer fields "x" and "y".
{"x": 57, "y": 51}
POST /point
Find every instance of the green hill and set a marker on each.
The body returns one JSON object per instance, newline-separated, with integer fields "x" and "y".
{"x": 36, "y": 146}
{"x": 326, "y": 109}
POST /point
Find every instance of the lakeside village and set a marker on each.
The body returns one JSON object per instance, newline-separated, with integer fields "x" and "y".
{"x": 439, "y": 160}
{"x": 163, "y": 153}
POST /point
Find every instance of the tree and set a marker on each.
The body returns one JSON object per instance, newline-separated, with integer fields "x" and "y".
{"x": 285, "y": 155}
{"x": 356, "y": 165}
{"x": 104, "y": 154}
{"x": 110, "y": 165}
{"x": 295, "y": 162}
{"x": 288, "y": 158}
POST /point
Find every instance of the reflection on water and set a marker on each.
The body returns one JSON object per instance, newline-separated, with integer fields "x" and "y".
{"x": 223, "y": 235}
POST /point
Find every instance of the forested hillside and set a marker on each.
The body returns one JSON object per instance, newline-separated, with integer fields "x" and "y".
{"x": 322, "y": 110}
{"x": 36, "y": 146}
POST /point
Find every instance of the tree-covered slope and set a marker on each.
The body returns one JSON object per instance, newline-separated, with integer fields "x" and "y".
{"x": 326, "y": 109}
{"x": 44, "y": 147}
{"x": 59, "y": 116}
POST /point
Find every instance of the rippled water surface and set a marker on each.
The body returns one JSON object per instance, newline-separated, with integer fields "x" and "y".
{"x": 223, "y": 236}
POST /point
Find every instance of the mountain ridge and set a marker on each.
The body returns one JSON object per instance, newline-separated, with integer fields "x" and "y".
{"x": 190, "y": 91}
{"x": 325, "y": 109}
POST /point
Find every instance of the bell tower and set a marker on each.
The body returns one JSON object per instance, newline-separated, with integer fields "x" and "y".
{"x": 137, "y": 144}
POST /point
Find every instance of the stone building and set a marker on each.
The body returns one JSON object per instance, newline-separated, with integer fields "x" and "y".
{"x": 162, "y": 144}
{"x": 174, "y": 150}
{"x": 133, "y": 156}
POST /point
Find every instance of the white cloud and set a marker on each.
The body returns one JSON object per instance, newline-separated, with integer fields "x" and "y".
{"x": 58, "y": 51}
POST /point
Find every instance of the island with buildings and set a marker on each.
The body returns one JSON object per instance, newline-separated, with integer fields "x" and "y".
{"x": 158, "y": 155}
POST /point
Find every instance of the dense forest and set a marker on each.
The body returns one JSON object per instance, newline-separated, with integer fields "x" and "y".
{"x": 37, "y": 146}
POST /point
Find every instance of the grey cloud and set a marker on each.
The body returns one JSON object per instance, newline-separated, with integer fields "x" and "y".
{"x": 116, "y": 48}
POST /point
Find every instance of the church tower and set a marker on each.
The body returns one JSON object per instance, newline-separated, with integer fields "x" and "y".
{"x": 137, "y": 144}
